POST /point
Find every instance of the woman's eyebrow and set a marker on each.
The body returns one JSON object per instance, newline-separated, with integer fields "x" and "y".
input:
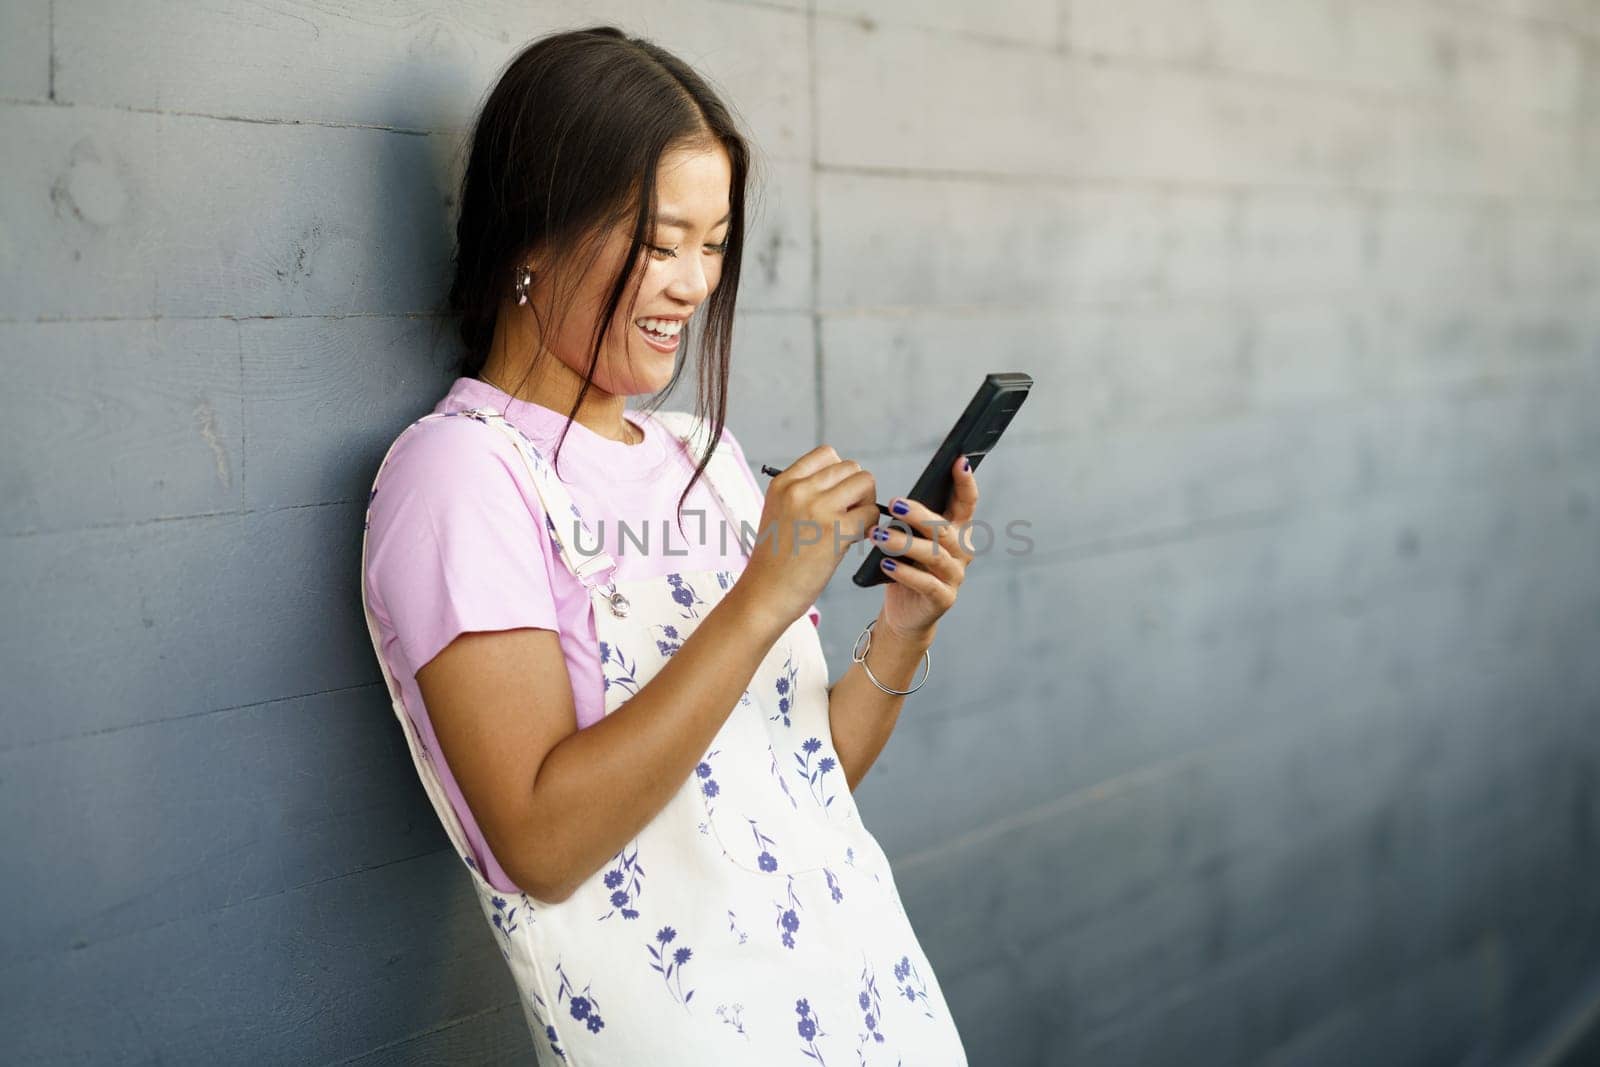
{"x": 683, "y": 224}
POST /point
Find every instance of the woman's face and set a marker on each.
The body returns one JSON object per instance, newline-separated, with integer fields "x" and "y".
{"x": 675, "y": 274}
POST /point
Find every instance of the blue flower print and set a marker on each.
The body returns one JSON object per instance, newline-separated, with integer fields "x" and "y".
{"x": 778, "y": 776}
{"x": 628, "y": 870}
{"x": 725, "y": 579}
{"x": 785, "y": 686}
{"x": 810, "y": 1028}
{"x": 616, "y": 669}
{"x": 833, "y": 885}
{"x": 540, "y": 1014}
{"x": 815, "y": 777}
{"x": 709, "y": 789}
{"x": 671, "y": 969}
{"x": 668, "y": 642}
{"x": 789, "y": 917}
{"x": 684, "y": 595}
{"x": 871, "y": 1009}
{"x": 733, "y": 1016}
{"x": 733, "y": 928}
{"x": 583, "y": 1006}
{"x": 765, "y": 859}
{"x": 913, "y": 989}
{"x": 555, "y": 538}
{"x": 505, "y": 919}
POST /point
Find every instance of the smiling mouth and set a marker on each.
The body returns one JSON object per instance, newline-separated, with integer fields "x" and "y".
{"x": 659, "y": 342}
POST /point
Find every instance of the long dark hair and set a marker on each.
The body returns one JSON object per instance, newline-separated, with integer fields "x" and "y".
{"x": 566, "y": 147}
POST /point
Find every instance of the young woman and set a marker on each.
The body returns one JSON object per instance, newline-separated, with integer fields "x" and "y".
{"x": 632, "y": 742}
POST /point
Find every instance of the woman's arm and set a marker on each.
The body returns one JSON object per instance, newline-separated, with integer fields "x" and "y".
{"x": 926, "y": 572}
{"x": 861, "y": 715}
{"x": 555, "y": 803}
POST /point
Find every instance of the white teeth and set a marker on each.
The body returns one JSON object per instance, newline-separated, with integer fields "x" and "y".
{"x": 665, "y": 327}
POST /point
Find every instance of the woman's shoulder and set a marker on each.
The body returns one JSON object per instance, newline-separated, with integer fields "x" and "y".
{"x": 452, "y": 448}
{"x": 456, "y": 538}
{"x": 453, "y": 465}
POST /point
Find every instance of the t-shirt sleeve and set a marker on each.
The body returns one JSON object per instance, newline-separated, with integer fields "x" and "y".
{"x": 727, "y": 436}
{"x": 457, "y": 540}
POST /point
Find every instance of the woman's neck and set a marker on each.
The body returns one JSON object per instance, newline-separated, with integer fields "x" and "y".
{"x": 601, "y": 412}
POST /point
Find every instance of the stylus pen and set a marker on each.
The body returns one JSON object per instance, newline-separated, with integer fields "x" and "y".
{"x": 772, "y": 472}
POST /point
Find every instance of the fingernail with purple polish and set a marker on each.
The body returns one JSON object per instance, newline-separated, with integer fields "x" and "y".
{"x": 889, "y": 564}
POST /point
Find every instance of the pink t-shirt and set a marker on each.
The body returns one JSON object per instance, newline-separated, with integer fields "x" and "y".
{"x": 457, "y": 543}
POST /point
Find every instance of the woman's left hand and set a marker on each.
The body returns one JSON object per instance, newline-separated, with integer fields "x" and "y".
{"x": 929, "y": 568}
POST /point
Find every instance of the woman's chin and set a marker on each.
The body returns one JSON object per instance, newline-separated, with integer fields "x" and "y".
{"x": 647, "y": 384}
{"x": 656, "y": 371}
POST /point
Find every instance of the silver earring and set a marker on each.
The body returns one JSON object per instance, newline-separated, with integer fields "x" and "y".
{"x": 524, "y": 279}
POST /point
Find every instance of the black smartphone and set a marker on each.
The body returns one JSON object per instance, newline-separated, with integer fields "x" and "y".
{"x": 975, "y": 433}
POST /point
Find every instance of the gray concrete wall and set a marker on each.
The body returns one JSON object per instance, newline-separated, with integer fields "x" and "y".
{"x": 1280, "y": 745}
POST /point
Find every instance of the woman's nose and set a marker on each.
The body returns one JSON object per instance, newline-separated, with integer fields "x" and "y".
{"x": 689, "y": 281}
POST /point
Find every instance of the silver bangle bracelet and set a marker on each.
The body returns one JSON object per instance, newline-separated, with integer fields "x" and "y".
{"x": 859, "y": 655}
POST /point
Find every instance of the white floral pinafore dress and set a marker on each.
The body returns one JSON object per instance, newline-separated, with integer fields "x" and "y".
{"x": 754, "y": 920}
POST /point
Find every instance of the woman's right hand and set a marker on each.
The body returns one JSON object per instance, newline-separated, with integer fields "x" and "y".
{"x": 814, "y": 511}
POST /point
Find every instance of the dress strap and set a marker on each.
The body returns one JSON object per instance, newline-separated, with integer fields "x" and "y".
{"x": 731, "y": 489}
{"x": 555, "y": 498}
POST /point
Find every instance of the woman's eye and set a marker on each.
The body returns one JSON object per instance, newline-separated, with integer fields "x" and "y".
{"x": 672, "y": 253}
